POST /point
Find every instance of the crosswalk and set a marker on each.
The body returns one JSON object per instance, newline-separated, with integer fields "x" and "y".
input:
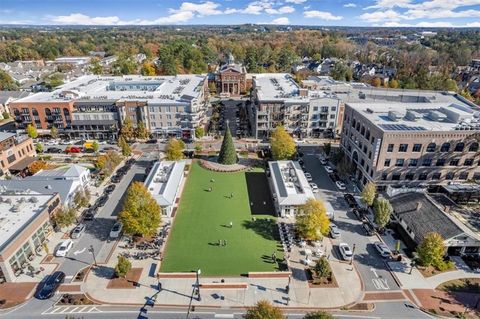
{"x": 71, "y": 310}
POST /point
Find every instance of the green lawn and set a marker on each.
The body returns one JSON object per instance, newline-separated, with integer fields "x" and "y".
{"x": 203, "y": 219}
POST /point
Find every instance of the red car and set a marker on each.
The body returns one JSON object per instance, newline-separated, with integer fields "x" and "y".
{"x": 73, "y": 149}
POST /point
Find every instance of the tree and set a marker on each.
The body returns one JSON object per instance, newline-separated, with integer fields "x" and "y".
{"x": 368, "y": 193}
{"x": 345, "y": 167}
{"x": 95, "y": 146}
{"x": 7, "y": 83}
{"x": 39, "y": 148}
{"x": 322, "y": 268}
{"x": 198, "y": 148}
{"x": 318, "y": 315}
{"x": 383, "y": 210}
{"x": 228, "y": 154}
{"x": 199, "y": 132}
{"x": 32, "y": 131}
{"x": 282, "y": 144}
{"x": 6, "y": 115}
{"x": 141, "y": 131}
{"x": 54, "y": 132}
{"x": 37, "y": 166}
{"x": 126, "y": 150}
{"x": 141, "y": 213}
{"x": 124, "y": 66}
{"x": 376, "y": 82}
{"x": 96, "y": 68}
{"x": 127, "y": 130}
{"x": 81, "y": 199}
{"x": 431, "y": 250}
{"x": 123, "y": 267}
{"x": 65, "y": 217}
{"x": 327, "y": 147}
{"x": 264, "y": 310}
{"x": 312, "y": 220}
{"x": 148, "y": 69}
{"x": 53, "y": 80}
{"x": 341, "y": 72}
{"x": 174, "y": 150}
{"x": 393, "y": 84}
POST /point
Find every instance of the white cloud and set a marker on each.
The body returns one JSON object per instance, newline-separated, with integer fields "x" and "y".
{"x": 81, "y": 19}
{"x": 203, "y": 9}
{"x": 426, "y": 24}
{"x": 295, "y": 1}
{"x": 440, "y": 14}
{"x": 281, "y": 10}
{"x": 473, "y": 25}
{"x": 350, "y": 5}
{"x": 253, "y": 9}
{"x": 322, "y": 15}
{"x": 279, "y": 21}
{"x": 377, "y": 16}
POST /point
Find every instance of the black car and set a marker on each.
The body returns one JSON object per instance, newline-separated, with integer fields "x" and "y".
{"x": 350, "y": 200}
{"x": 48, "y": 288}
{"x": 102, "y": 201}
{"x": 116, "y": 179}
{"x": 90, "y": 213}
{"x": 131, "y": 161}
{"x": 369, "y": 229}
{"x": 109, "y": 189}
{"x": 152, "y": 141}
{"x": 54, "y": 150}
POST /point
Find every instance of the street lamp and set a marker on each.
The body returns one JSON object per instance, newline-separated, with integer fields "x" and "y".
{"x": 93, "y": 254}
{"x": 353, "y": 254}
{"x": 197, "y": 284}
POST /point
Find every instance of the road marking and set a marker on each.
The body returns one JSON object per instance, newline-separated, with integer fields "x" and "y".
{"x": 79, "y": 251}
{"x": 69, "y": 277}
{"x": 380, "y": 284}
{"x": 220, "y": 315}
{"x": 374, "y": 272}
{"x": 70, "y": 310}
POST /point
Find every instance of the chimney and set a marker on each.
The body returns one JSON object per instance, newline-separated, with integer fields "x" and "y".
{"x": 419, "y": 205}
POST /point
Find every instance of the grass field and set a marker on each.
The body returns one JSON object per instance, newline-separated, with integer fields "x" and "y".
{"x": 203, "y": 219}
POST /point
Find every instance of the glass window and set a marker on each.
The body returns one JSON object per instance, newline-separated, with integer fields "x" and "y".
{"x": 409, "y": 176}
{"x": 450, "y": 175}
{"x": 422, "y": 176}
{"x": 390, "y": 148}
{"x": 387, "y": 162}
{"x": 463, "y": 176}
{"x": 445, "y": 147}
{"x": 403, "y": 148}
{"x": 417, "y": 147}
{"x": 468, "y": 162}
{"x": 396, "y": 177}
{"x": 399, "y": 162}
{"x": 413, "y": 162}
{"x": 473, "y": 147}
{"x": 384, "y": 176}
{"x": 431, "y": 147}
{"x": 427, "y": 162}
{"x": 436, "y": 176}
{"x": 440, "y": 162}
{"x": 454, "y": 162}
{"x": 459, "y": 147}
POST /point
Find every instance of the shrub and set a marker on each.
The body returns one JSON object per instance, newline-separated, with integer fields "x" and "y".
{"x": 123, "y": 267}
{"x": 322, "y": 268}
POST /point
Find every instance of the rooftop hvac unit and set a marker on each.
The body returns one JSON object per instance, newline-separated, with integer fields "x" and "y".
{"x": 15, "y": 208}
{"x": 394, "y": 115}
{"x": 413, "y": 115}
{"x": 33, "y": 200}
{"x": 436, "y": 116}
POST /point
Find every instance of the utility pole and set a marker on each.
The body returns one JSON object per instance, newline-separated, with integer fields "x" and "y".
{"x": 92, "y": 250}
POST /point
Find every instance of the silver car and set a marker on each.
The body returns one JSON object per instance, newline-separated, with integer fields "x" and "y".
{"x": 382, "y": 249}
{"x": 78, "y": 231}
{"x": 334, "y": 231}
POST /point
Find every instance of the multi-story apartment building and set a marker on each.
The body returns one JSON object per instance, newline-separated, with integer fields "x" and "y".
{"x": 278, "y": 100}
{"x": 411, "y": 137}
{"x": 96, "y": 106}
{"x": 14, "y": 150}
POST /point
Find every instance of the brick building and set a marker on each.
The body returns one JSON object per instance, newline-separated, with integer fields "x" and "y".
{"x": 16, "y": 152}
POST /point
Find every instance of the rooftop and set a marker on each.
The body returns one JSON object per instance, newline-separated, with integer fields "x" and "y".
{"x": 17, "y": 210}
{"x": 277, "y": 87}
{"x": 163, "y": 181}
{"x": 291, "y": 185}
{"x": 156, "y": 89}
{"x": 64, "y": 172}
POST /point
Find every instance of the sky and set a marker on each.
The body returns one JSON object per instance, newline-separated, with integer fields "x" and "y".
{"x": 384, "y": 13}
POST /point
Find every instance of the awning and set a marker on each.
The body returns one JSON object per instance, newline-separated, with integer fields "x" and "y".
{"x": 22, "y": 164}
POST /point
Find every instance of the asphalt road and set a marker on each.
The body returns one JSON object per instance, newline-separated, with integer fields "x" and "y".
{"x": 371, "y": 266}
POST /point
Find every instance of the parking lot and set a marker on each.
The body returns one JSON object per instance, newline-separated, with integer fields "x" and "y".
{"x": 369, "y": 263}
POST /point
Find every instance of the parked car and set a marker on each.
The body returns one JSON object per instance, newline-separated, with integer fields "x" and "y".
{"x": 116, "y": 230}
{"x": 328, "y": 169}
{"x": 382, "y": 249}
{"x": 77, "y": 231}
{"x": 369, "y": 229}
{"x": 314, "y": 187}
{"x": 88, "y": 150}
{"x": 340, "y": 185}
{"x": 54, "y": 150}
{"x": 334, "y": 231}
{"x": 73, "y": 149}
{"x": 109, "y": 148}
{"x": 89, "y": 214}
{"x": 110, "y": 188}
{"x": 47, "y": 289}
{"x": 308, "y": 176}
{"x": 52, "y": 142}
{"x": 345, "y": 251}
{"x": 64, "y": 248}
{"x": 102, "y": 201}
{"x": 67, "y": 142}
{"x": 350, "y": 200}
{"x": 116, "y": 179}
{"x": 152, "y": 141}
{"x": 323, "y": 162}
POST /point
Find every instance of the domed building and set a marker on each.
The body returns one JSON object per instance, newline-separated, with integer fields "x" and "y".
{"x": 231, "y": 78}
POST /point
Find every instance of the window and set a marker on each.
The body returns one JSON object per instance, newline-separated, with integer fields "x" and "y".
{"x": 450, "y": 175}
{"x": 463, "y": 176}
{"x": 409, "y": 176}
{"x": 431, "y": 147}
{"x": 417, "y": 147}
{"x": 390, "y": 148}
{"x": 396, "y": 177}
{"x": 399, "y": 162}
{"x": 473, "y": 147}
{"x": 445, "y": 147}
{"x": 387, "y": 162}
{"x": 427, "y": 162}
{"x": 454, "y": 162}
{"x": 403, "y": 147}
{"x": 384, "y": 176}
{"x": 422, "y": 177}
{"x": 468, "y": 162}
{"x": 476, "y": 176}
{"x": 436, "y": 176}
{"x": 413, "y": 162}
{"x": 440, "y": 162}
{"x": 459, "y": 147}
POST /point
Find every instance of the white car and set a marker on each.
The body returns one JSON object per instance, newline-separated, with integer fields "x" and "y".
{"x": 382, "y": 249}
{"x": 64, "y": 248}
{"x": 52, "y": 142}
{"x": 334, "y": 231}
{"x": 67, "y": 142}
{"x": 323, "y": 161}
{"x": 116, "y": 230}
{"x": 328, "y": 169}
{"x": 345, "y": 251}
{"x": 308, "y": 176}
{"x": 340, "y": 185}
{"x": 314, "y": 187}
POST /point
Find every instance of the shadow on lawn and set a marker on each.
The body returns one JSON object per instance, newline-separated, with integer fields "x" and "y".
{"x": 267, "y": 228}
{"x": 259, "y": 196}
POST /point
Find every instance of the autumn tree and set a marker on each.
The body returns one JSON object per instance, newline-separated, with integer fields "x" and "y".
{"x": 95, "y": 146}
{"x": 31, "y": 131}
{"x": 199, "y": 132}
{"x": 7, "y": 83}
{"x": 376, "y": 82}
{"x": 368, "y": 193}
{"x": 282, "y": 144}
{"x": 123, "y": 267}
{"x": 318, "y": 315}
{"x": 431, "y": 250}
{"x": 124, "y": 146}
{"x": 81, "y": 198}
{"x": 264, "y": 310}
{"x": 96, "y": 68}
{"x": 54, "y": 132}
{"x": 127, "y": 130}
{"x": 37, "y": 166}
{"x": 382, "y": 211}
{"x": 141, "y": 213}
{"x": 312, "y": 221}
{"x": 174, "y": 149}
{"x": 393, "y": 84}
{"x": 65, "y": 217}
{"x": 228, "y": 154}
{"x": 39, "y": 147}
{"x": 148, "y": 69}
{"x": 141, "y": 131}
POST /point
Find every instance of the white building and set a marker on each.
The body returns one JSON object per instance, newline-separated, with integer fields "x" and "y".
{"x": 164, "y": 183}
{"x": 289, "y": 186}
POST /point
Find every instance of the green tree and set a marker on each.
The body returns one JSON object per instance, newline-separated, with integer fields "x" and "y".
{"x": 141, "y": 131}
{"x": 198, "y": 148}
{"x": 53, "y": 80}
{"x": 318, "y": 315}
{"x": 199, "y": 132}
{"x": 81, "y": 199}
{"x": 124, "y": 65}
{"x": 228, "y": 154}
{"x": 65, "y": 217}
{"x": 39, "y": 147}
{"x": 383, "y": 211}
{"x": 369, "y": 193}
{"x": 141, "y": 213}
{"x": 341, "y": 72}
{"x": 95, "y": 146}
{"x": 264, "y": 310}
{"x": 6, "y": 115}
{"x": 54, "y": 132}
{"x": 123, "y": 267}
{"x": 322, "y": 268}
{"x": 345, "y": 167}
{"x": 127, "y": 130}
{"x": 312, "y": 220}
{"x": 7, "y": 83}
{"x": 32, "y": 131}
{"x": 126, "y": 150}
{"x": 282, "y": 144}
{"x": 96, "y": 68}
{"x": 327, "y": 147}
{"x": 174, "y": 150}
{"x": 431, "y": 250}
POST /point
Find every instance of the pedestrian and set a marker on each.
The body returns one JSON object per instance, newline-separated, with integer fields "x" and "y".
{"x": 225, "y": 242}
{"x": 231, "y": 195}
{"x": 219, "y": 242}
{"x": 231, "y": 224}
